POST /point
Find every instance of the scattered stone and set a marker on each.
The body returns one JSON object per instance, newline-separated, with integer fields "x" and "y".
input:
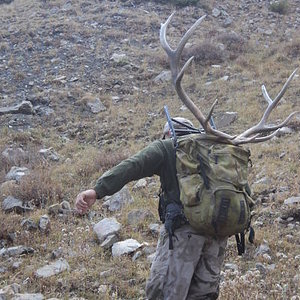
{"x": 106, "y": 227}
{"x": 66, "y": 205}
{"x": 216, "y": 12}
{"x": 54, "y": 209}
{"x": 14, "y": 156}
{"x": 231, "y": 266}
{"x": 262, "y": 249}
{"x": 28, "y": 297}
{"x": 164, "y": 76}
{"x": 54, "y": 268}
{"x": 16, "y": 173}
{"x": 29, "y": 224}
{"x": 142, "y": 183}
{"x": 57, "y": 253}
{"x": 96, "y": 106}
{"x": 125, "y": 247}
{"x": 16, "y": 264}
{"x": 11, "y": 203}
{"x": 25, "y": 108}
{"x": 292, "y": 200}
{"x": 137, "y": 255}
{"x": 15, "y": 251}
{"x": 109, "y": 241}
{"x": 118, "y": 200}
{"x": 155, "y": 229}
{"x": 226, "y": 119}
{"x": 44, "y": 223}
{"x": 49, "y": 154}
{"x": 139, "y": 215}
{"x": 119, "y": 58}
{"x": 227, "y": 22}
{"x": 261, "y": 268}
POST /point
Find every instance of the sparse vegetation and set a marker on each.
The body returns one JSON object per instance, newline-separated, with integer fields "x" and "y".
{"x": 280, "y": 7}
{"x": 59, "y": 58}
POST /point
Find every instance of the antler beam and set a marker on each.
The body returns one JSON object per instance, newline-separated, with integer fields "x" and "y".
{"x": 254, "y": 134}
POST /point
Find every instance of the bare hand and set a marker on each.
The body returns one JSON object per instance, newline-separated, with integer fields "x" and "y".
{"x": 85, "y": 200}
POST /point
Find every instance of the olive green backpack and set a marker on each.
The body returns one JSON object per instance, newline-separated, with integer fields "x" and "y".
{"x": 213, "y": 185}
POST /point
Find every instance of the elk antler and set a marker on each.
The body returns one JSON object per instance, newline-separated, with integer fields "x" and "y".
{"x": 252, "y": 135}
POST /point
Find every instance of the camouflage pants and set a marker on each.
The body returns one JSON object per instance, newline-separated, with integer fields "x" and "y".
{"x": 190, "y": 271}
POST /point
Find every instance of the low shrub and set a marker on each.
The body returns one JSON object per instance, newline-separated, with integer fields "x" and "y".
{"x": 280, "y": 7}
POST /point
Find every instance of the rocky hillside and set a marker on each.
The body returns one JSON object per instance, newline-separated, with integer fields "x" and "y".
{"x": 83, "y": 85}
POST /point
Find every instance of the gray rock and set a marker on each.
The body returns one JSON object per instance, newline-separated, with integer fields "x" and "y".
{"x": 29, "y": 225}
{"x": 151, "y": 257}
{"x": 118, "y": 200}
{"x": 25, "y": 107}
{"x": 14, "y": 155}
{"x": 164, "y": 76}
{"x": 227, "y": 22}
{"x": 226, "y": 119}
{"x": 28, "y": 297}
{"x": 96, "y": 106}
{"x": 142, "y": 183}
{"x": 231, "y": 266}
{"x": 57, "y": 253}
{"x": 44, "y": 223}
{"x": 292, "y": 201}
{"x": 261, "y": 268}
{"x": 119, "y": 58}
{"x": 262, "y": 249}
{"x": 106, "y": 227}
{"x": 49, "y": 154}
{"x": 109, "y": 241}
{"x": 155, "y": 229}
{"x": 15, "y": 251}
{"x": 137, "y": 255}
{"x": 66, "y": 205}
{"x": 54, "y": 268}
{"x": 125, "y": 247}
{"x": 16, "y": 173}
{"x": 216, "y": 12}
{"x": 139, "y": 215}
{"x": 10, "y": 203}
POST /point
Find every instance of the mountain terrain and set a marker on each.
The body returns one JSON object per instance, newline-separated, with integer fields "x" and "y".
{"x": 83, "y": 84}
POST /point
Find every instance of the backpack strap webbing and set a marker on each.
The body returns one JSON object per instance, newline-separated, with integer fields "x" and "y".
{"x": 240, "y": 243}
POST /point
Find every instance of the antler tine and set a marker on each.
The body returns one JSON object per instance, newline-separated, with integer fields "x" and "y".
{"x": 174, "y": 58}
{"x": 261, "y": 126}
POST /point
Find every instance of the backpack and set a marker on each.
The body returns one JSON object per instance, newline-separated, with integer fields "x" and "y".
{"x": 214, "y": 190}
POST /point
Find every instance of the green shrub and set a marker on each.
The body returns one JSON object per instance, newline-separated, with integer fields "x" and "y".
{"x": 280, "y": 7}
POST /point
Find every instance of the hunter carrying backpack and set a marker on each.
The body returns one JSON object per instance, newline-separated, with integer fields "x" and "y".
{"x": 213, "y": 184}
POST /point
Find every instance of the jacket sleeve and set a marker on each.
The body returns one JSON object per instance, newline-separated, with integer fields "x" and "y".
{"x": 145, "y": 163}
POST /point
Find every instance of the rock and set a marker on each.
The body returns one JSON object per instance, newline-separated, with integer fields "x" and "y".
{"x": 262, "y": 249}
{"x": 10, "y": 204}
{"x": 16, "y": 173}
{"x": 164, "y": 76}
{"x": 225, "y": 119}
{"x": 109, "y": 241}
{"x": 227, "y": 22}
{"x": 142, "y": 183}
{"x": 139, "y": 215}
{"x": 284, "y": 130}
{"x": 57, "y": 253}
{"x": 106, "y": 227}
{"x": 44, "y": 223}
{"x": 49, "y": 154}
{"x": 65, "y": 205}
{"x": 15, "y": 251}
{"x": 118, "y": 200}
{"x": 292, "y": 200}
{"x": 29, "y": 225}
{"x": 54, "y": 209}
{"x": 155, "y": 229}
{"x": 231, "y": 266}
{"x": 125, "y": 247}
{"x": 54, "y": 268}
{"x": 216, "y": 12}
{"x": 137, "y": 255}
{"x": 261, "y": 268}
{"x": 14, "y": 156}
{"x": 119, "y": 58}
{"x": 28, "y": 297}
{"x": 8, "y": 291}
{"x": 25, "y": 107}
{"x": 96, "y": 106}
{"x": 6, "y": 188}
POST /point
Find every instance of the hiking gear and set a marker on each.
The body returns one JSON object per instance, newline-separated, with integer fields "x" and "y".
{"x": 181, "y": 127}
{"x": 213, "y": 184}
{"x": 190, "y": 271}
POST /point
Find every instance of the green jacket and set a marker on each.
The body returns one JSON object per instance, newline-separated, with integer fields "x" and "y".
{"x": 156, "y": 159}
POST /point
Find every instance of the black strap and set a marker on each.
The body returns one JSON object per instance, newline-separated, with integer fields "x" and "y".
{"x": 202, "y": 171}
{"x": 240, "y": 243}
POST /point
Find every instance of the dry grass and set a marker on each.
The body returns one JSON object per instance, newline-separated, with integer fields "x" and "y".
{"x": 90, "y": 144}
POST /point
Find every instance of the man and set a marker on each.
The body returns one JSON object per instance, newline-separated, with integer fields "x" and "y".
{"x": 187, "y": 265}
